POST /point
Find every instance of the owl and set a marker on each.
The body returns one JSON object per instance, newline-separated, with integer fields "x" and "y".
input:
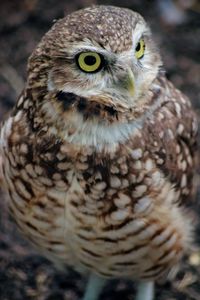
{"x": 99, "y": 152}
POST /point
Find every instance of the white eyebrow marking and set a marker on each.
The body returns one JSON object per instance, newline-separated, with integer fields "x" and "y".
{"x": 137, "y": 33}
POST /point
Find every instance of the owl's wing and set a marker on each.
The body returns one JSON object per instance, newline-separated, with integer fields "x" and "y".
{"x": 172, "y": 138}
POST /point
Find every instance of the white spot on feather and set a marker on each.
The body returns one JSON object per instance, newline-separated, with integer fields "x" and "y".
{"x": 149, "y": 164}
{"x": 122, "y": 200}
{"x": 143, "y": 205}
{"x": 115, "y": 182}
{"x": 137, "y": 153}
{"x": 139, "y": 190}
{"x": 183, "y": 181}
{"x": 119, "y": 215}
{"x": 180, "y": 129}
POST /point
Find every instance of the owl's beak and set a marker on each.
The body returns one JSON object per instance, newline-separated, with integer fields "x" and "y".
{"x": 128, "y": 82}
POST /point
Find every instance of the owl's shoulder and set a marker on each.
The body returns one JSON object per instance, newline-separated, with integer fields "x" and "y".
{"x": 170, "y": 136}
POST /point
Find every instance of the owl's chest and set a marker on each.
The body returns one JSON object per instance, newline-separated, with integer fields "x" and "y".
{"x": 54, "y": 195}
{"x": 92, "y": 213}
{"x": 69, "y": 192}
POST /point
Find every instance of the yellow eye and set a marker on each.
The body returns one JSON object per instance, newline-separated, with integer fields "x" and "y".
{"x": 89, "y": 62}
{"x": 140, "y": 48}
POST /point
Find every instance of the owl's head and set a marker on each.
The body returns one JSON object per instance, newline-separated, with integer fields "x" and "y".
{"x": 99, "y": 62}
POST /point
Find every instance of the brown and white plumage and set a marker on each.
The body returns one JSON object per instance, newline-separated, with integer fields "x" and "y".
{"x": 99, "y": 167}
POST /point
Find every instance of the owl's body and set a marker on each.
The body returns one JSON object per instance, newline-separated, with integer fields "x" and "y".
{"x": 98, "y": 180}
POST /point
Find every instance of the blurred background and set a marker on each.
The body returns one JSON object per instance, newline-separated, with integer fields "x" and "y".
{"x": 176, "y": 30}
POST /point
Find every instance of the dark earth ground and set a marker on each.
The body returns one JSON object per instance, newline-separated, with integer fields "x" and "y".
{"x": 23, "y": 273}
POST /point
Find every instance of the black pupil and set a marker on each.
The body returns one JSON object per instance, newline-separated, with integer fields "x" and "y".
{"x": 90, "y": 60}
{"x": 138, "y": 47}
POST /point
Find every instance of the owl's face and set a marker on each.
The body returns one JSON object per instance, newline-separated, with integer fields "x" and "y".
{"x": 103, "y": 54}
